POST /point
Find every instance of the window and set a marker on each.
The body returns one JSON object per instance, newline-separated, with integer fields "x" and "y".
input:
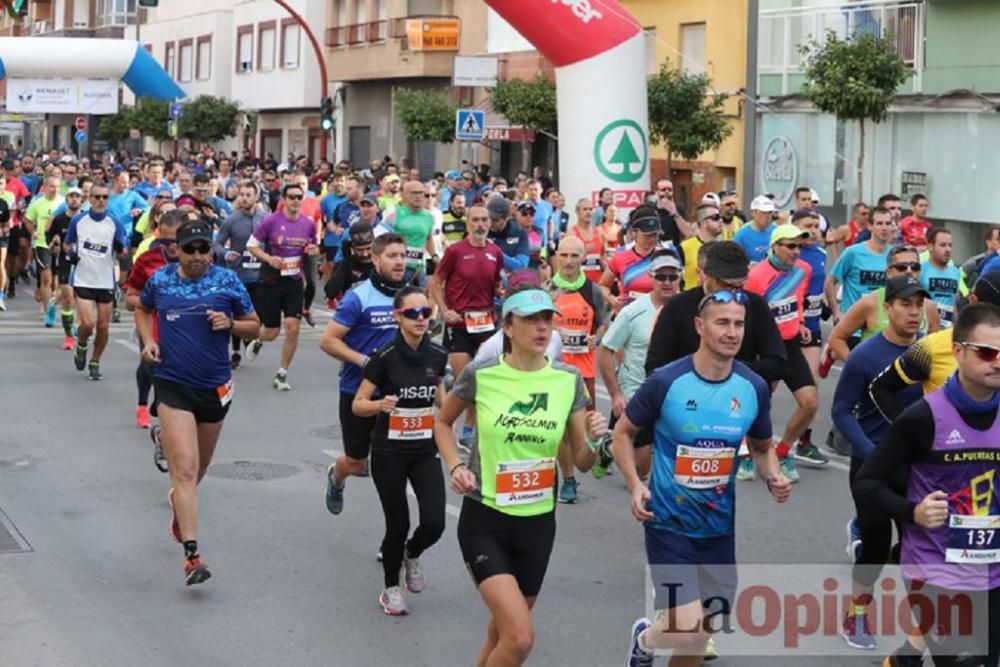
{"x": 649, "y": 43}
{"x": 291, "y": 37}
{"x": 244, "y": 49}
{"x": 693, "y": 48}
{"x": 185, "y": 60}
{"x": 168, "y": 58}
{"x": 341, "y": 13}
{"x": 265, "y": 46}
{"x": 115, "y": 12}
{"x": 381, "y": 11}
{"x": 203, "y": 59}
{"x": 360, "y": 11}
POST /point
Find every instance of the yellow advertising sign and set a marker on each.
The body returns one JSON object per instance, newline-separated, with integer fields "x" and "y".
{"x": 432, "y": 34}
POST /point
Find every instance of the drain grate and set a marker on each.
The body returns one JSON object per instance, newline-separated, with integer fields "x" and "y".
{"x": 252, "y": 471}
{"x": 11, "y": 539}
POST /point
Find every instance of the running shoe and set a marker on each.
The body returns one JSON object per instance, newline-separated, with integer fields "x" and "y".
{"x": 195, "y": 571}
{"x": 637, "y": 655}
{"x": 11, "y": 292}
{"x": 254, "y": 350}
{"x": 414, "y": 575}
{"x": 50, "y": 314}
{"x": 825, "y": 361}
{"x": 159, "y": 460}
{"x": 281, "y": 382}
{"x": 68, "y": 342}
{"x": 567, "y": 494}
{"x": 378, "y": 555}
{"x": 116, "y": 316}
{"x": 746, "y": 473}
{"x": 392, "y": 602}
{"x": 308, "y": 317}
{"x": 94, "y": 370}
{"x": 234, "y": 360}
{"x": 787, "y": 468}
{"x": 710, "y": 652}
{"x": 175, "y": 527}
{"x": 80, "y": 357}
{"x": 604, "y": 457}
{"x": 853, "y": 540}
{"x": 334, "y": 494}
{"x": 809, "y": 453}
{"x": 3, "y": 303}
{"x": 856, "y": 632}
{"x": 142, "y": 416}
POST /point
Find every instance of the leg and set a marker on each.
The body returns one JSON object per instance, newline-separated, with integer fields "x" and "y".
{"x": 143, "y": 382}
{"x": 45, "y": 287}
{"x": 208, "y": 438}
{"x": 565, "y": 457}
{"x": 86, "y": 314}
{"x": 427, "y": 481}
{"x": 291, "y": 341}
{"x": 510, "y": 616}
{"x": 811, "y": 354}
{"x": 682, "y": 630}
{"x": 807, "y": 399}
{"x": 309, "y": 271}
{"x": 389, "y": 475}
{"x": 3, "y": 271}
{"x": 180, "y": 444}
{"x": 103, "y": 328}
{"x": 356, "y": 434}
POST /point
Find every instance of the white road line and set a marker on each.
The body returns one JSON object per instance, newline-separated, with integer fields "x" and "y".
{"x": 124, "y": 342}
{"x": 449, "y": 508}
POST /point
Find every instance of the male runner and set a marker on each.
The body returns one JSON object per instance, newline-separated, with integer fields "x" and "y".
{"x": 755, "y": 238}
{"x": 507, "y": 234}
{"x": 915, "y": 226}
{"x": 699, "y": 407}
{"x": 862, "y": 425}
{"x": 414, "y": 223}
{"x": 947, "y": 445}
{"x": 939, "y": 275}
{"x": 57, "y": 236}
{"x": 280, "y": 242}
{"x": 37, "y": 219}
{"x": 356, "y": 265}
{"x": 361, "y": 324}
{"x": 709, "y": 229}
{"x": 861, "y": 269}
{"x": 93, "y": 239}
{"x": 333, "y": 233}
{"x": 590, "y": 236}
{"x": 198, "y": 307}
{"x": 453, "y": 225}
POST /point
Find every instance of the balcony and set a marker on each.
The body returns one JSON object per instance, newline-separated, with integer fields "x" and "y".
{"x": 405, "y": 47}
{"x": 782, "y": 31}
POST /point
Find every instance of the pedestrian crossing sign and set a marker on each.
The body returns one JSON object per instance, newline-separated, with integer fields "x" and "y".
{"x": 470, "y": 124}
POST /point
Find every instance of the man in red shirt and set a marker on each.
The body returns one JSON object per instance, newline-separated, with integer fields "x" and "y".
{"x": 916, "y": 225}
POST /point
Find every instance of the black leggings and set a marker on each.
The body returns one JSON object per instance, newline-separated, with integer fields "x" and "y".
{"x": 875, "y": 527}
{"x": 309, "y": 271}
{"x": 144, "y": 382}
{"x": 390, "y": 473}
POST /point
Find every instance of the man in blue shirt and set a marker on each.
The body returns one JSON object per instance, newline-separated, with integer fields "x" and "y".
{"x": 861, "y": 268}
{"x": 332, "y": 232}
{"x": 507, "y": 234}
{"x": 755, "y": 238}
{"x": 700, "y": 407}
{"x": 939, "y": 276}
{"x": 197, "y": 306}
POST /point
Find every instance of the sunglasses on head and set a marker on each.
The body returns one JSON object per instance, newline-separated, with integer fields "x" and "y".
{"x": 422, "y": 313}
{"x": 197, "y": 248}
{"x": 724, "y": 296}
{"x": 987, "y": 353}
{"x": 913, "y": 267}
{"x": 668, "y": 277}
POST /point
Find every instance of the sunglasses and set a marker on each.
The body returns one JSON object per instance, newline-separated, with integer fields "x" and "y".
{"x": 197, "y": 248}
{"x": 167, "y": 242}
{"x": 713, "y": 217}
{"x": 98, "y": 196}
{"x": 724, "y": 296}
{"x": 913, "y": 267}
{"x": 421, "y": 313}
{"x": 164, "y": 197}
{"x": 987, "y": 353}
{"x": 295, "y": 197}
{"x": 668, "y": 277}
{"x": 791, "y": 246}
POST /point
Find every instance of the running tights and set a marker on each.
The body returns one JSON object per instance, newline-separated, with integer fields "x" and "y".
{"x": 390, "y": 472}
{"x": 309, "y": 271}
{"x": 144, "y": 382}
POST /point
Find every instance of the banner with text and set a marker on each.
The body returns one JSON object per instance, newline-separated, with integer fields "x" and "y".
{"x": 93, "y": 96}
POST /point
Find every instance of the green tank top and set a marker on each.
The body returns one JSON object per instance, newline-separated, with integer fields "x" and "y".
{"x": 414, "y": 227}
{"x": 883, "y": 319}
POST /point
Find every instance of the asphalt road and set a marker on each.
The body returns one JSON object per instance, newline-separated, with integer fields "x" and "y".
{"x": 91, "y": 577}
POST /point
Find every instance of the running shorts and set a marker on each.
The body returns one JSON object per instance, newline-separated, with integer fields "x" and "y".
{"x": 685, "y": 569}
{"x": 459, "y": 341}
{"x": 356, "y": 432}
{"x": 495, "y": 543}
{"x": 43, "y": 259}
{"x": 96, "y": 295}
{"x": 797, "y": 372}
{"x": 644, "y": 438}
{"x": 204, "y": 404}
{"x": 330, "y": 251}
{"x": 282, "y": 298}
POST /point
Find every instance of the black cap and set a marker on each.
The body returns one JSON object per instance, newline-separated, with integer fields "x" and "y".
{"x": 8, "y": 164}
{"x": 361, "y": 233}
{"x": 371, "y": 199}
{"x": 803, "y": 213}
{"x": 986, "y": 289}
{"x": 646, "y": 224}
{"x": 903, "y": 287}
{"x": 498, "y": 208}
{"x": 194, "y": 231}
{"x": 526, "y": 207}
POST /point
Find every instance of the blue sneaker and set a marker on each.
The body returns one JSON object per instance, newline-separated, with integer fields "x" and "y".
{"x": 50, "y": 314}
{"x": 787, "y": 468}
{"x": 567, "y": 494}
{"x": 857, "y": 634}
{"x": 853, "y": 540}
{"x": 3, "y": 302}
{"x": 637, "y": 655}
{"x": 334, "y": 493}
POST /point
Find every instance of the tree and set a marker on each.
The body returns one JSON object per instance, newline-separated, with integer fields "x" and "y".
{"x": 115, "y": 128}
{"x": 426, "y": 115}
{"x": 527, "y": 104}
{"x": 854, "y": 79}
{"x": 685, "y": 115}
{"x": 208, "y": 120}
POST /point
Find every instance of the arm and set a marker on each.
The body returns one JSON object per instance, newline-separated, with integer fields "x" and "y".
{"x": 462, "y": 479}
{"x": 132, "y": 299}
{"x": 255, "y": 248}
{"x": 911, "y": 367}
{"x": 246, "y": 326}
{"x": 579, "y": 430}
{"x": 364, "y": 406}
{"x": 606, "y": 366}
{"x": 662, "y": 341}
{"x": 605, "y": 284}
{"x": 830, "y": 292}
{"x": 333, "y": 344}
{"x": 850, "y": 390}
{"x": 933, "y": 316}
{"x": 855, "y": 318}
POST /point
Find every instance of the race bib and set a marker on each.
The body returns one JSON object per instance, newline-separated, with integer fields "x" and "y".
{"x": 592, "y": 263}
{"x": 414, "y": 255}
{"x": 973, "y": 539}
{"x": 411, "y": 423}
{"x": 225, "y": 393}
{"x": 703, "y": 467}
{"x": 947, "y": 311}
{"x": 92, "y": 249}
{"x": 784, "y": 310}
{"x": 290, "y": 266}
{"x": 479, "y": 321}
{"x": 249, "y": 261}
{"x": 574, "y": 342}
{"x": 525, "y": 482}
{"x": 814, "y": 305}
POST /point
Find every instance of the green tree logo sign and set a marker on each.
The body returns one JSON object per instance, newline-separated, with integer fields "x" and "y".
{"x": 621, "y": 150}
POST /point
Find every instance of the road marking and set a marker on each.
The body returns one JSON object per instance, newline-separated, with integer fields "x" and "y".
{"x": 449, "y": 508}
{"x": 124, "y": 342}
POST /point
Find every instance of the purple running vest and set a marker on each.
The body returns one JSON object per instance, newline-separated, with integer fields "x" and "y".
{"x": 965, "y": 463}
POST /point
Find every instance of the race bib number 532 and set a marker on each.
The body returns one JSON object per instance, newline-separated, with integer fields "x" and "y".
{"x": 525, "y": 482}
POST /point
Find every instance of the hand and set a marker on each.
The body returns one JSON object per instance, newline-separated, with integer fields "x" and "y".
{"x": 779, "y": 487}
{"x": 151, "y": 353}
{"x": 618, "y": 403}
{"x": 805, "y": 334}
{"x": 462, "y": 480}
{"x": 312, "y": 249}
{"x": 452, "y": 318}
{"x": 640, "y": 498}
{"x": 668, "y": 205}
{"x": 597, "y": 426}
{"x": 219, "y": 321}
{"x": 274, "y": 263}
{"x": 591, "y": 342}
{"x": 614, "y": 301}
{"x": 388, "y": 403}
{"x": 932, "y": 511}
{"x": 836, "y": 319}
{"x": 232, "y": 256}
{"x": 135, "y": 212}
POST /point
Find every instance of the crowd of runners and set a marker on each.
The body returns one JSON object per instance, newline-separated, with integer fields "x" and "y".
{"x": 472, "y": 318}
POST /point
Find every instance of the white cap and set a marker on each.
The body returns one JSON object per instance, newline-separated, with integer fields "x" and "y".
{"x": 763, "y": 204}
{"x": 67, "y": 159}
{"x": 712, "y": 198}
{"x": 814, "y": 196}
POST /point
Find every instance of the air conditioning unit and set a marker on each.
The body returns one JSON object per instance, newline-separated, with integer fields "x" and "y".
{"x": 246, "y": 67}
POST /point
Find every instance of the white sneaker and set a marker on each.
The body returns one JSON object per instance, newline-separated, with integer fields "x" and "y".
{"x": 254, "y": 350}
{"x": 281, "y": 382}
{"x": 392, "y": 601}
{"x": 415, "y": 581}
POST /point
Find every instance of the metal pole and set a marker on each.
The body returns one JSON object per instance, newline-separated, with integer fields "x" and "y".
{"x": 750, "y": 106}
{"x": 319, "y": 58}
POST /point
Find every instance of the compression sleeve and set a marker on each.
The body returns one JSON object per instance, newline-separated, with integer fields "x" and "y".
{"x": 850, "y": 390}
{"x": 885, "y": 387}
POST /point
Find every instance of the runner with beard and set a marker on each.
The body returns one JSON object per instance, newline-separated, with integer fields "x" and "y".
{"x": 357, "y": 263}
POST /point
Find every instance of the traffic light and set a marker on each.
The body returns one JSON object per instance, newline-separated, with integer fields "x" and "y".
{"x": 326, "y": 121}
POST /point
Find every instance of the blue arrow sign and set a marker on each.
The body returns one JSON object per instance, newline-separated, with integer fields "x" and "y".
{"x": 81, "y": 136}
{"x": 470, "y": 124}
{"x": 176, "y": 109}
